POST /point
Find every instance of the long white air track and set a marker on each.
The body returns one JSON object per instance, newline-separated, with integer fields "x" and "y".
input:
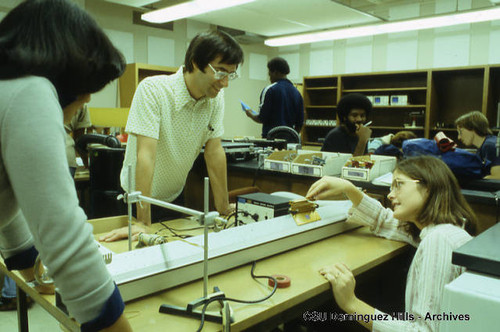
{"x": 144, "y": 271}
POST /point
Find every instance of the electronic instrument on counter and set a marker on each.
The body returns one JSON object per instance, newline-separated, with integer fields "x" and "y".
{"x": 260, "y": 206}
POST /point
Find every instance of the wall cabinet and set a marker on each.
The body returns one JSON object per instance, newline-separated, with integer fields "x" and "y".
{"x": 422, "y": 101}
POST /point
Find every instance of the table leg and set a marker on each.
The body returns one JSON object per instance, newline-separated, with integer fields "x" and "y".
{"x": 22, "y": 311}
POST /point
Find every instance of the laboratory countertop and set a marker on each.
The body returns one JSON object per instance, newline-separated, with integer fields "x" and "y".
{"x": 481, "y": 254}
{"x": 477, "y": 191}
{"x": 357, "y": 248}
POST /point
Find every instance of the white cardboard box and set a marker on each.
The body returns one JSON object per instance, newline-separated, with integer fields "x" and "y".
{"x": 334, "y": 162}
{"x": 380, "y": 100}
{"x": 475, "y": 295}
{"x": 281, "y": 161}
{"x": 381, "y": 166}
{"x": 401, "y": 100}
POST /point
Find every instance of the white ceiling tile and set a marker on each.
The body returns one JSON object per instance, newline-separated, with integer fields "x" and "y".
{"x": 278, "y": 17}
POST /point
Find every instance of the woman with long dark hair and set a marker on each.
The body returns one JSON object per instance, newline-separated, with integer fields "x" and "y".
{"x": 53, "y": 55}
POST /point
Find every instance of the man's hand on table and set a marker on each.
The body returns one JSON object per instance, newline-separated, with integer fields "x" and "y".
{"x": 122, "y": 233}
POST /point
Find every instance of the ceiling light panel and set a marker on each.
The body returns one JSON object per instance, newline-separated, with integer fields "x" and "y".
{"x": 286, "y": 16}
{"x": 189, "y": 9}
{"x": 401, "y": 26}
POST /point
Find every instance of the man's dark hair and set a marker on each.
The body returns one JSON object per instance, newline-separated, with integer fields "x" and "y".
{"x": 58, "y": 40}
{"x": 206, "y": 46}
{"x": 352, "y": 101}
{"x": 278, "y": 65}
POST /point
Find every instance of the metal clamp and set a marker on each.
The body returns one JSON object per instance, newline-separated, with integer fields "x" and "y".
{"x": 132, "y": 197}
{"x": 218, "y": 224}
{"x": 209, "y": 218}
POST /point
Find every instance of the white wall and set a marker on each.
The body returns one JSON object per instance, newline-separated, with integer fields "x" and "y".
{"x": 143, "y": 44}
{"x": 466, "y": 45}
{"x": 135, "y": 41}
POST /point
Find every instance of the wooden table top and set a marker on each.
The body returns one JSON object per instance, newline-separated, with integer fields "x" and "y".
{"x": 358, "y": 249}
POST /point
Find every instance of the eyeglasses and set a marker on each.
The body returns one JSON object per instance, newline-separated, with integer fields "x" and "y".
{"x": 220, "y": 75}
{"x": 396, "y": 184}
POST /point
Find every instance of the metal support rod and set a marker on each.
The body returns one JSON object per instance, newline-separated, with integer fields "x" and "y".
{"x": 205, "y": 239}
{"x": 205, "y": 218}
{"x": 129, "y": 207}
{"x": 171, "y": 206}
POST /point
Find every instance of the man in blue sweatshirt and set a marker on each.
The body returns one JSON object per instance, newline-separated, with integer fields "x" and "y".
{"x": 280, "y": 102}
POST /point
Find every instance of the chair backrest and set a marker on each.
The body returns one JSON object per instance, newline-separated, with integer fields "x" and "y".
{"x": 104, "y": 169}
{"x": 83, "y": 141}
{"x": 284, "y": 132}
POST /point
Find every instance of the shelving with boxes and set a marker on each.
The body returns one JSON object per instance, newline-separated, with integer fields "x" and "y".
{"x": 399, "y": 101}
{"x": 423, "y": 101}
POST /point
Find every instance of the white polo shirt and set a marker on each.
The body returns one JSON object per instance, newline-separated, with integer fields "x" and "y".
{"x": 163, "y": 109}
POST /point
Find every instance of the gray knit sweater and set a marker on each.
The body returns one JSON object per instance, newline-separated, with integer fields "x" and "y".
{"x": 38, "y": 202}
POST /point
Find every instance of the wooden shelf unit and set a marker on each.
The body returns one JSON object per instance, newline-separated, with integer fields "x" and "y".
{"x": 134, "y": 74}
{"x": 320, "y": 101}
{"x": 439, "y": 95}
{"x": 492, "y": 98}
{"x": 384, "y": 90}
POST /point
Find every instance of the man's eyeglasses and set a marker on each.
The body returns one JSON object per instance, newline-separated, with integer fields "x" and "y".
{"x": 396, "y": 184}
{"x": 220, "y": 75}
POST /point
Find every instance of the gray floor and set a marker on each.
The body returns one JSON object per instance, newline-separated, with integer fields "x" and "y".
{"x": 39, "y": 320}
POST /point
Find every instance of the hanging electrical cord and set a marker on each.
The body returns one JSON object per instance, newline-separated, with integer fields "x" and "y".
{"x": 255, "y": 175}
{"x": 174, "y": 231}
{"x": 232, "y": 214}
{"x": 254, "y": 216}
{"x": 223, "y": 298}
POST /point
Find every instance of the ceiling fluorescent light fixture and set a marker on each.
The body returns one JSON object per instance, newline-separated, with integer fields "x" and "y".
{"x": 399, "y": 26}
{"x": 188, "y": 9}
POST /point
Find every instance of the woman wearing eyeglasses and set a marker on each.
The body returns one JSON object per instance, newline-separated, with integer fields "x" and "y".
{"x": 430, "y": 213}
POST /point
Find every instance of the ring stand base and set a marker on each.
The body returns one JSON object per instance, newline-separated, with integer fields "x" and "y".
{"x": 191, "y": 311}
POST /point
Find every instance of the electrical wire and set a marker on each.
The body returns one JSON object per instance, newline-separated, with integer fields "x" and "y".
{"x": 254, "y": 216}
{"x": 255, "y": 175}
{"x": 188, "y": 229}
{"x": 174, "y": 233}
{"x": 232, "y": 214}
{"x": 234, "y": 224}
{"x": 223, "y": 298}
